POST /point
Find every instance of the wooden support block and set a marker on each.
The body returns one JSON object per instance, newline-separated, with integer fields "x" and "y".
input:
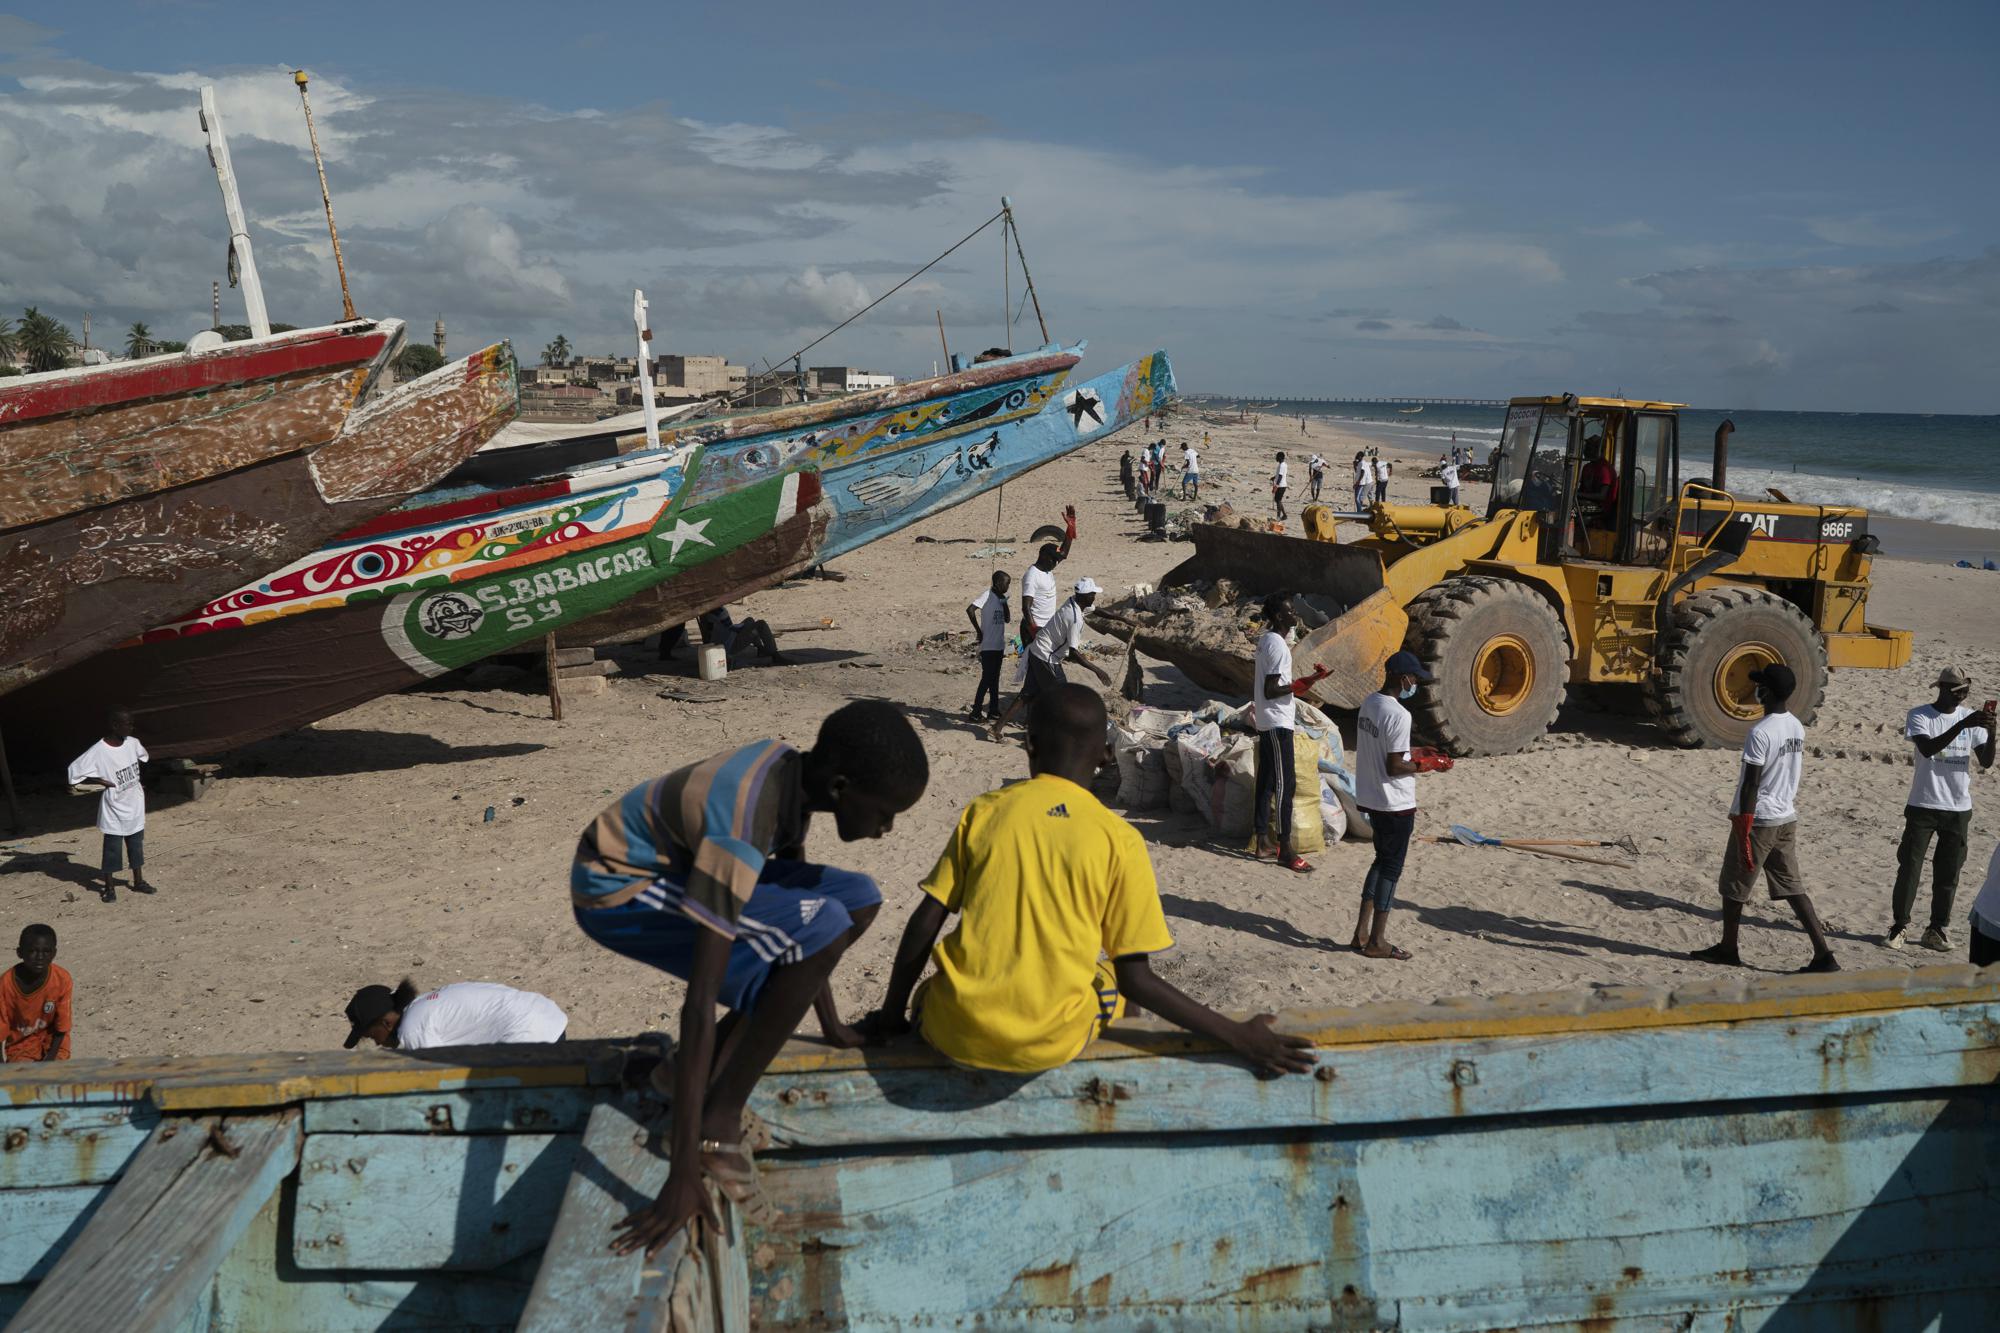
{"x": 584, "y": 671}
{"x": 409, "y": 1201}
{"x": 584, "y": 685}
{"x": 569, "y": 657}
{"x": 582, "y": 1284}
{"x": 145, "y": 1259}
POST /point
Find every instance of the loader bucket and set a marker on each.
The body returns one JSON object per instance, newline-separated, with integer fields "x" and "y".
{"x": 1353, "y": 647}
{"x": 1265, "y": 562}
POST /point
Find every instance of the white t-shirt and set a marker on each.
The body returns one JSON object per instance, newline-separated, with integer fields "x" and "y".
{"x": 1279, "y": 478}
{"x": 992, "y": 609}
{"x": 1190, "y": 460}
{"x": 1448, "y": 475}
{"x": 1361, "y": 471}
{"x": 1038, "y": 585}
{"x": 478, "y": 1013}
{"x": 1062, "y": 633}
{"x": 1274, "y": 658}
{"x": 1778, "y": 744}
{"x": 1382, "y": 728}
{"x": 1943, "y": 781}
{"x": 1316, "y": 463}
{"x": 1986, "y": 907}
{"x": 1381, "y": 469}
{"x": 122, "y": 807}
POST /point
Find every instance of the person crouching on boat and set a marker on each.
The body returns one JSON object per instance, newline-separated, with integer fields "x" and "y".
{"x": 1047, "y": 884}
{"x": 701, "y": 874}
{"x": 464, "y": 1013}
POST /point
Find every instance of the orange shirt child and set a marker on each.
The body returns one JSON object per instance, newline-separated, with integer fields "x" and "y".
{"x": 31, "y": 1018}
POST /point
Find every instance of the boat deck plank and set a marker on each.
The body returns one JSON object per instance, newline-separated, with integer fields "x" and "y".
{"x": 146, "y": 1258}
{"x": 582, "y": 1283}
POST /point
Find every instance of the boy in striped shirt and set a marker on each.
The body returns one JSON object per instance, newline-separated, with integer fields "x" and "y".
{"x": 701, "y": 874}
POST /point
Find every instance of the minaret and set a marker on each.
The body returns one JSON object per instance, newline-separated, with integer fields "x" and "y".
{"x": 437, "y": 335}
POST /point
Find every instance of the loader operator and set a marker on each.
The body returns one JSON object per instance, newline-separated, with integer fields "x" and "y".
{"x": 1597, "y": 484}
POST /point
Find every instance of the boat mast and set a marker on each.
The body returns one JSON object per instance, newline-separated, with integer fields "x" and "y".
{"x": 646, "y": 368}
{"x": 339, "y": 265}
{"x": 242, "y": 263}
{"x": 1007, "y": 208}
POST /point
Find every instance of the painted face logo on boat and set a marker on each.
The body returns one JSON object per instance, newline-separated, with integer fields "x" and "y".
{"x": 449, "y": 615}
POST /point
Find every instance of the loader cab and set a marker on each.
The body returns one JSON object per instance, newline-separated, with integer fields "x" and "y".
{"x": 1603, "y": 473}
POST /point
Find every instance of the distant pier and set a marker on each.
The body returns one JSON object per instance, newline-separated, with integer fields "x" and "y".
{"x": 1252, "y": 401}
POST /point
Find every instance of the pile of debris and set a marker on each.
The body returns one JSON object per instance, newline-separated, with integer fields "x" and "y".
{"x": 1207, "y": 628}
{"x": 1204, "y": 762}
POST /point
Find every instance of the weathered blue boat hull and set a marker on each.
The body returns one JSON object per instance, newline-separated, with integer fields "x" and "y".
{"x": 1792, "y": 1154}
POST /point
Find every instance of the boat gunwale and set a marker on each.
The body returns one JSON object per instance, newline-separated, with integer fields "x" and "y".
{"x": 179, "y": 1083}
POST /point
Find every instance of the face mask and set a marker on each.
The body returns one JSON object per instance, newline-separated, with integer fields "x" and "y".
{"x": 1407, "y": 692}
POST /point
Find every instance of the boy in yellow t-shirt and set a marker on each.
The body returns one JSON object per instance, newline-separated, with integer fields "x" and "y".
{"x": 1047, "y": 884}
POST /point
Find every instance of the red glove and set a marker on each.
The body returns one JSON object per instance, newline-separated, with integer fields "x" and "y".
{"x": 1428, "y": 760}
{"x": 1301, "y": 688}
{"x": 1739, "y": 838}
{"x": 1069, "y": 522}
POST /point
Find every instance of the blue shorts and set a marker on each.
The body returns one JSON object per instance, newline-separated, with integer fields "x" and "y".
{"x": 796, "y": 910}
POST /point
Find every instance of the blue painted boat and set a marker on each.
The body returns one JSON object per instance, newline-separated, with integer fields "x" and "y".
{"x": 1786, "y": 1153}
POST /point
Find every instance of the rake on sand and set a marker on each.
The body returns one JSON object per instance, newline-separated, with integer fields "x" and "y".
{"x": 1547, "y": 846}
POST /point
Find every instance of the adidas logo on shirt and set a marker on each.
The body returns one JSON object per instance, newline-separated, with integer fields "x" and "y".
{"x": 1059, "y": 811}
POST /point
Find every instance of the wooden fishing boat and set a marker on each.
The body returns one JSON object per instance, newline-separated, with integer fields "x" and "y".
{"x": 642, "y": 539}
{"x": 135, "y": 496}
{"x": 132, "y": 491}
{"x": 1786, "y": 1153}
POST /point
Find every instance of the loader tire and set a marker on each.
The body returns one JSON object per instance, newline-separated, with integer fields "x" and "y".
{"x": 1499, "y": 659}
{"x": 1702, "y": 694}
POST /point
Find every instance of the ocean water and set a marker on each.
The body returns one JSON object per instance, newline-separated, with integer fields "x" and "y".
{"x": 1938, "y": 469}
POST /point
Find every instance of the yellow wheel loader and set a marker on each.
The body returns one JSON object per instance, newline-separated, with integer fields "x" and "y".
{"x": 1598, "y": 563}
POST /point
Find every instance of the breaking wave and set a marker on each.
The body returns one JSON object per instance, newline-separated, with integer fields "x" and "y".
{"x": 1928, "y": 504}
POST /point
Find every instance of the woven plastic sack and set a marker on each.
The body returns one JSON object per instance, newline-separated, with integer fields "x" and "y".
{"x": 1142, "y": 770}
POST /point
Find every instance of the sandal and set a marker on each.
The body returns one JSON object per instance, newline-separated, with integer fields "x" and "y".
{"x": 1298, "y": 865}
{"x": 1390, "y": 953}
{"x": 739, "y": 1184}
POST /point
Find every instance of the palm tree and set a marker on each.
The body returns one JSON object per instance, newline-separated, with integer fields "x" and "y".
{"x": 45, "y": 342}
{"x": 557, "y": 352}
{"x": 138, "y": 341}
{"x": 8, "y": 348}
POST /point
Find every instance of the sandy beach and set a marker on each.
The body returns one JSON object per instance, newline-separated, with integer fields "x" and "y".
{"x": 359, "y": 850}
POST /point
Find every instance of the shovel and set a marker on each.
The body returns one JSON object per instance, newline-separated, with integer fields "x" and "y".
{"x": 1545, "y": 846}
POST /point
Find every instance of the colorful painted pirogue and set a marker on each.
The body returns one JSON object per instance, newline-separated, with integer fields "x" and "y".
{"x": 133, "y": 492}
{"x": 646, "y": 539}
{"x": 1778, "y": 1152}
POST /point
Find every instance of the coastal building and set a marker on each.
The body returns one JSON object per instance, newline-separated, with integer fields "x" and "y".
{"x": 698, "y": 376}
{"x": 847, "y": 379}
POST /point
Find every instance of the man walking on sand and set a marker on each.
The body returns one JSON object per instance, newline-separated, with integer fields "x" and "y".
{"x": 1316, "y": 472}
{"x": 1274, "y": 708}
{"x": 1279, "y": 480}
{"x": 1190, "y": 473}
{"x": 989, "y": 614}
{"x": 1385, "y": 787}
{"x": 1448, "y": 476}
{"x": 1764, "y": 822}
{"x": 1947, "y": 736}
{"x": 1364, "y": 481}
{"x": 1382, "y": 468}
{"x": 113, "y": 764}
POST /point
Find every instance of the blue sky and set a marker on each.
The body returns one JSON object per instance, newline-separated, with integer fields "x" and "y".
{"x": 1746, "y": 206}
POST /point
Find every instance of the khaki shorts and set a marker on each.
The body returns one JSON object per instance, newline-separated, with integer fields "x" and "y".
{"x": 1774, "y": 851}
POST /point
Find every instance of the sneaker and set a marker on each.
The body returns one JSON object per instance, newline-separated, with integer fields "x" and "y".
{"x": 1936, "y": 940}
{"x": 1895, "y": 938}
{"x": 109, "y": 893}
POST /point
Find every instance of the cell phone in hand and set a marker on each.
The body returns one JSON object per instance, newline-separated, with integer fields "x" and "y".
{"x": 1991, "y": 704}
